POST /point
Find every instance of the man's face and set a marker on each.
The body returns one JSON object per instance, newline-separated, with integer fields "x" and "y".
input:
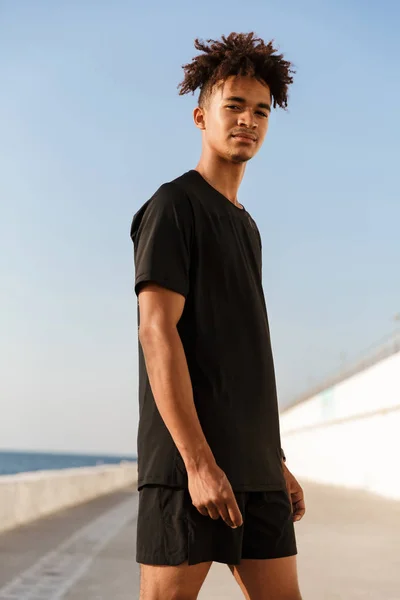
{"x": 235, "y": 119}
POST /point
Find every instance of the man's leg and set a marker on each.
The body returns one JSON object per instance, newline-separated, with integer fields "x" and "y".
{"x": 182, "y": 582}
{"x": 268, "y": 579}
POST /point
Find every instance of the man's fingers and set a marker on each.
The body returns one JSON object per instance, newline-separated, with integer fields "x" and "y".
{"x": 202, "y": 510}
{"x": 213, "y": 511}
{"x": 208, "y": 511}
{"x": 223, "y": 511}
{"x": 226, "y": 508}
{"x": 297, "y": 503}
{"x": 234, "y": 513}
{"x": 299, "y": 510}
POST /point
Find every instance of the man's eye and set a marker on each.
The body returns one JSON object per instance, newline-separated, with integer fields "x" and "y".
{"x": 263, "y": 114}
{"x": 232, "y": 106}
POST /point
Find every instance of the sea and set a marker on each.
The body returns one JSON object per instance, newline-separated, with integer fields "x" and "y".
{"x": 12, "y": 462}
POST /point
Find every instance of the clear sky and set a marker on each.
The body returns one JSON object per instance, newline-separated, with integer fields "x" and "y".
{"x": 92, "y": 124}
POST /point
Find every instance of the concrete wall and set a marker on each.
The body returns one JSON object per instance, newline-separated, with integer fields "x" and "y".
{"x": 349, "y": 434}
{"x": 29, "y": 496}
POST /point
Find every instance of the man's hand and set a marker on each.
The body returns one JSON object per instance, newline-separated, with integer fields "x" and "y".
{"x": 212, "y": 494}
{"x": 296, "y": 494}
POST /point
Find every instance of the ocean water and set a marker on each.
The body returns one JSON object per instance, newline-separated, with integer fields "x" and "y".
{"x": 22, "y": 462}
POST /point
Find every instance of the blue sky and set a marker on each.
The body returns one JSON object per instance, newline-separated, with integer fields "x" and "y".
{"x": 92, "y": 124}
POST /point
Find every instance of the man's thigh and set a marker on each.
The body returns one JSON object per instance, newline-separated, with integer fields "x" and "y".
{"x": 182, "y": 582}
{"x": 268, "y": 579}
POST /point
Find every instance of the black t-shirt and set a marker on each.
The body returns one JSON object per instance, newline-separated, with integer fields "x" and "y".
{"x": 191, "y": 239}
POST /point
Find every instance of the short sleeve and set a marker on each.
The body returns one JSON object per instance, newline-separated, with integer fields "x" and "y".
{"x": 162, "y": 235}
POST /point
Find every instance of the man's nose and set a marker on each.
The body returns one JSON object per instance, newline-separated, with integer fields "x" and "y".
{"x": 247, "y": 119}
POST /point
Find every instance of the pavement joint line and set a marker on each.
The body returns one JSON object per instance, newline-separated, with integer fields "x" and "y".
{"x": 54, "y": 574}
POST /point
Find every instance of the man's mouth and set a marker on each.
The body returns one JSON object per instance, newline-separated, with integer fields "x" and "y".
{"x": 244, "y": 137}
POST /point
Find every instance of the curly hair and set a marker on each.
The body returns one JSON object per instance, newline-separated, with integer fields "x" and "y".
{"x": 237, "y": 54}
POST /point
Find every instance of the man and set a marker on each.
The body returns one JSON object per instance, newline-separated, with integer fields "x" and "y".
{"x": 212, "y": 479}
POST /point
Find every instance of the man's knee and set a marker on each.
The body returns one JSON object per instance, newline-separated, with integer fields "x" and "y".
{"x": 182, "y": 582}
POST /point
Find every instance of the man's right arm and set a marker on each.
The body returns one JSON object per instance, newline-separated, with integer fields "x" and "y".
{"x": 160, "y": 311}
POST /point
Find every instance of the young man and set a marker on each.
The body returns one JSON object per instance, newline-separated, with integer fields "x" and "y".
{"x": 212, "y": 478}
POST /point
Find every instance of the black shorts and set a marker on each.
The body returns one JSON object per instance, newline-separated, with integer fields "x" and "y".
{"x": 171, "y": 531}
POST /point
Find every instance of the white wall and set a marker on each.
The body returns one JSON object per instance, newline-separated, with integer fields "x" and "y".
{"x": 350, "y": 434}
{"x": 28, "y": 496}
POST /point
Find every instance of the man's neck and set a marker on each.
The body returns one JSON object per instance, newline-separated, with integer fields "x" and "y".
{"x": 224, "y": 176}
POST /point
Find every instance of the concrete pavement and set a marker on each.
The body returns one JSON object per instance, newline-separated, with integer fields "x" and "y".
{"x": 349, "y": 549}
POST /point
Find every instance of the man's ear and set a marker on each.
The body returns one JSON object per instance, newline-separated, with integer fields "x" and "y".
{"x": 199, "y": 118}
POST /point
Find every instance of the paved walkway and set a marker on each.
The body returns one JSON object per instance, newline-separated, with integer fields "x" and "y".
{"x": 349, "y": 549}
